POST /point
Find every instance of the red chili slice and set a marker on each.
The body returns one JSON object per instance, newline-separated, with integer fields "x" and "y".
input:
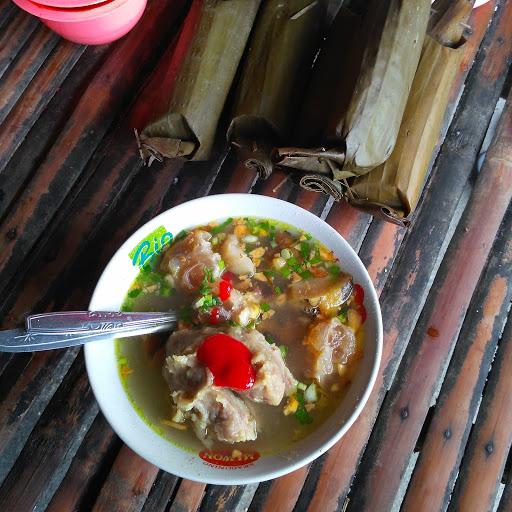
{"x": 225, "y": 288}
{"x": 228, "y": 276}
{"x": 358, "y": 294}
{"x": 229, "y": 360}
{"x": 215, "y": 316}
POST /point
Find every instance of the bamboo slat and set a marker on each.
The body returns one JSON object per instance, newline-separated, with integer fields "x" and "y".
{"x": 490, "y": 440}
{"x": 51, "y": 445}
{"x": 127, "y": 485}
{"x": 106, "y": 94}
{"x": 386, "y": 461}
{"x": 402, "y": 300}
{"x": 435, "y": 472}
{"x": 19, "y": 75}
{"x": 14, "y": 37}
{"x": 90, "y": 459}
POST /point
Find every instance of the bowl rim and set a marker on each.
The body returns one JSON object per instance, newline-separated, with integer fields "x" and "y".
{"x": 77, "y": 14}
{"x": 69, "y": 4}
{"x": 289, "y": 466}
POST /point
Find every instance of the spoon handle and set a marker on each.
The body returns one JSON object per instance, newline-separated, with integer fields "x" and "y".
{"x": 95, "y": 322}
{"x": 19, "y": 340}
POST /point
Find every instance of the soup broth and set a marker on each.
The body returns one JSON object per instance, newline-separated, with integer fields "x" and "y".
{"x": 292, "y": 290}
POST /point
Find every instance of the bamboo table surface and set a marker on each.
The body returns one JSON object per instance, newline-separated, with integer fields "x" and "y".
{"x": 437, "y": 430}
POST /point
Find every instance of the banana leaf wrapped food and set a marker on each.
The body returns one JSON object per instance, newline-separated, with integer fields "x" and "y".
{"x": 281, "y": 52}
{"x": 208, "y": 51}
{"x": 396, "y": 186}
{"x": 364, "y": 136}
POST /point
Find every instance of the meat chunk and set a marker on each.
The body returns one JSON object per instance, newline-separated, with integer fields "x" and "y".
{"x": 215, "y": 413}
{"x": 329, "y": 342}
{"x": 235, "y": 258}
{"x": 187, "y": 259}
{"x": 273, "y": 378}
{"x": 328, "y": 293}
{"x": 220, "y": 414}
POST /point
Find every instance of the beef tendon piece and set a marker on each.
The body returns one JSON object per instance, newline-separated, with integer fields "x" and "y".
{"x": 235, "y": 258}
{"x": 219, "y": 414}
{"x": 329, "y": 343}
{"x": 273, "y": 379}
{"x": 187, "y": 260}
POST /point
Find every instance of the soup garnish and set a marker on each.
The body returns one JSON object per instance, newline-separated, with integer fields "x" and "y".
{"x": 268, "y": 341}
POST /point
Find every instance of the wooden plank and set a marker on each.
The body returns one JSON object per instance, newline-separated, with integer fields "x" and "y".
{"x": 379, "y": 250}
{"x": 128, "y": 484}
{"x": 14, "y": 37}
{"x": 234, "y": 177}
{"x": 404, "y": 295}
{"x": 409, "y": 399}
{"x": 106, "y": 94}
{"x": 189, "y": 496}
{"x": 83, "y": 476}
{"x": 27, "y": 396}
{"x": 58, "y": 435}
{"x": 21, "y": 116}
{"x": 491, "y": 438}
{"x": 350, "y": 223}
{"x": 7, "y": 9}
{"x": 284, "y": 492}
{"x": 160, "y": 496}
{"x": 23, "y": 70}
{"x": 228, "y": 497}
{"x": 435, "y": 472}
{"x": 34, "y": 123}
{"x": 83, "y": 215}
{"x": 45, "y": 371}
{"x": 506, "y": 499}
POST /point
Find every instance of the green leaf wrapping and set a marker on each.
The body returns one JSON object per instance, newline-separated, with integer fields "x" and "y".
{"x": 204, "y": 63}
{"x": 275, "y": 72}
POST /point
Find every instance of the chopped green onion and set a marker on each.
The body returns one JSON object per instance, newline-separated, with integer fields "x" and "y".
{"x": 166, "y": 290}
{"x": 292, "y": 262}
{"x": 334, "y": 270}
{"x": 134, "y": 293}
{"x": 277, "y": 290}
{"x": 284, "y": 350}
{"x": 286, "y": 254}
{"x": 315, "y": 260}
{"x": 264, "y": 307}
{"x": 221, "y": 227}
{"x": 304, "y": 250}
{"x": 286, "y": 271}
{"x": 222, "y": 265}
{"x": 302, "y": 386}
{"x": 343, "y": 315}
{"x": 305, "y": 274}
{"x": 181, "y": 235}
{"x": 270, "y": 339}
{"x": 301, "y": 413}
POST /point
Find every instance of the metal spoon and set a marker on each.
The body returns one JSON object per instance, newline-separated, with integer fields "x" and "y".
{"x": 49, "y": 331}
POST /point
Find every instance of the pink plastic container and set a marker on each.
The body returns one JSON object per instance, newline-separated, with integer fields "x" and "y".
{"x": 69, "y": 4}
{"x": 97, "y": 24}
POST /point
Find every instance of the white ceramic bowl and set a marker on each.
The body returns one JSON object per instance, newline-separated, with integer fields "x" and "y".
{"x": 101, "y": 361}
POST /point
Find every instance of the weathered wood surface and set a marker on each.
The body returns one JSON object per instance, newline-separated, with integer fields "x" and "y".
{"x": 72, "y": 188}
